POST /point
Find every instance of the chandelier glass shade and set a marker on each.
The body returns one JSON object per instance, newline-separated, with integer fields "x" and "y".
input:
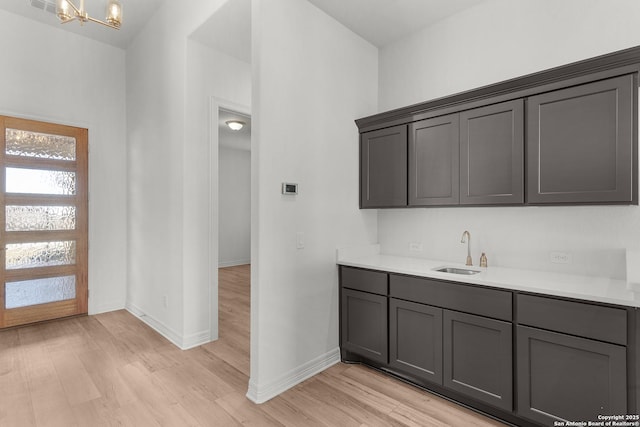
{"x": 67, "y": 11}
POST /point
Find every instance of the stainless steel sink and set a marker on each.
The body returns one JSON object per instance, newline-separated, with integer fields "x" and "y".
{"x": 454, "y": 270}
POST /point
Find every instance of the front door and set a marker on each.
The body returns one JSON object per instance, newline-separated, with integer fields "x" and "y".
{"x": 43, "y": 221}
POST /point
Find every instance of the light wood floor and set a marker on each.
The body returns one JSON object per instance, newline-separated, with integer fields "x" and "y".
{"x": 113, "y": 370}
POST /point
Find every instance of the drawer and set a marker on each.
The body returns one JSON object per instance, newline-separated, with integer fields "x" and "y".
{"x": 364, "y": 280}
{"x": 581, "y": 319}
{"x": 455, "y": 296}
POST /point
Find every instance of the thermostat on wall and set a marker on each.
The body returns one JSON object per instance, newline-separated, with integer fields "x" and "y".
{"x": 289, "y": 188}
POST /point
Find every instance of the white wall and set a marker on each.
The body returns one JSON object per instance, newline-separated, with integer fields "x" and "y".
{"x": 235, "y": 207}
{"x": 168, "y": 228}
{"x": 311, "y": 78}
{"x": 498, "y": 40}
{"x": 43, "y": 77}
{"x": 212, "y": 78}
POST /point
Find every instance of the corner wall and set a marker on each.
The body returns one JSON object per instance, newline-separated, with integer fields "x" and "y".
{"x": 311, "y": 78}
{"x": 169, "y": 265}
{"x": 495, "y": 41}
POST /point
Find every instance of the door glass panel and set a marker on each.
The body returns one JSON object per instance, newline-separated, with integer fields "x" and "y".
{"x": 34, "y": 144}
{"x": 35, "y": 218}
{"x": 39, "y": 291}
{"x": 40, "y": 254}
{"x": 40, "y": 181}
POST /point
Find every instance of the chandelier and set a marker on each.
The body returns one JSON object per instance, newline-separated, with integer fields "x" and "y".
{"x": 67, "y": 12}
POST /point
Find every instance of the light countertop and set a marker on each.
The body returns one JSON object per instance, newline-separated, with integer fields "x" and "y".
{"x": 598, "y": 289}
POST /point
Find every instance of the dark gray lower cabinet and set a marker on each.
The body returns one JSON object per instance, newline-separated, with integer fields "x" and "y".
{"x": 415, "y": 339}
{"x": 477, "y": 358}
{"x": 565, "y": 378}
{"x": 570, "y": 361}
{"x": 364, "y": 324}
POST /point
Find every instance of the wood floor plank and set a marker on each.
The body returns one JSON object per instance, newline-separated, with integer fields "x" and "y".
{"x": 48, "y": 401}
{"x": 113, "y": 370}
{"x": 15, "y": 406}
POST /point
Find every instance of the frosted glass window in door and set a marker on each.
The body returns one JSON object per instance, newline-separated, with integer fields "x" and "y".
{"x": 39, "y": 291}
{"x": 40, "y": 254}
{"x": 37, "y": 218}
{"x": 41, "y": 145}
{"x": 40, "y": 181}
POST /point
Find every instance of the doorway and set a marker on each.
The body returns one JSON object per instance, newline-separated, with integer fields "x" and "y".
{"x": 234, "y": 188}
{"x": 231, "y": 199}
{"x": 43, "y": 221}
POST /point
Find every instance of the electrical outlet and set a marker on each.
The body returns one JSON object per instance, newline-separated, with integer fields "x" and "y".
{"x": 299, "y": 240}
{"x": 165, "y": 301}
{"x": 560, "y": 257}
{"x": 415, "y": 246}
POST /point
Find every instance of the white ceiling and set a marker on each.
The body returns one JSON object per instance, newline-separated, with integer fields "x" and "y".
{"x": 228, "y": 30}
{"x": 381, "y": 22}
{"x": 384, "y": 21}
{"x": 135, "y": 15}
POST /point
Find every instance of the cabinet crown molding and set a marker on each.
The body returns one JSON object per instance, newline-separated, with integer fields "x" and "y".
{"x": 609, "y": 65}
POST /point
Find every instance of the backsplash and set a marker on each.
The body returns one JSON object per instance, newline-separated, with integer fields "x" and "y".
{"x": 586, "y": 240}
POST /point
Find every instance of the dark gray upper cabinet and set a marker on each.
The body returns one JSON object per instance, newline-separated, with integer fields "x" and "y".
{"x": 491, "y": 154}
{"x": 383, "y": 168}
{"x": 478, "y": 358}
{"x": 434, "y": 161}
{"x": 580, "y": 144}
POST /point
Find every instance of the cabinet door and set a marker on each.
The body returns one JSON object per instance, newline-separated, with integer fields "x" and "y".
{"x": 565, "y": 378}
{"x": 383, "y": 168}
{"x": 478, "y": 356}
{"x": 364, "y": 324}
{"x": 581, "y": 146}
{"x": 415, "y": 339}
{"x": 492, "y": 154}
{"x": 434, "y": 161}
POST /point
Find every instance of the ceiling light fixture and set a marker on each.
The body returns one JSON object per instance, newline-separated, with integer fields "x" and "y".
{"x": 67, "y": 12}
{"x": 235, "y": 124}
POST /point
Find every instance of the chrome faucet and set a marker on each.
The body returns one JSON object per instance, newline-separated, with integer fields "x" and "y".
{"x": 468, "y": 235}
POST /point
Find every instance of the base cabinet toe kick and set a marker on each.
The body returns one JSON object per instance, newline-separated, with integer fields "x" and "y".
{"x": 525, "y": 359}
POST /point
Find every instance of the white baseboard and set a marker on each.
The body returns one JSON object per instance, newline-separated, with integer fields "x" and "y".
{"x": 194, "y": 340}
{"x": 182, "y": 342}
{"x": 222, "y": 264}
{"x": 105, "y": 307}
{"x": 261, "y": 393}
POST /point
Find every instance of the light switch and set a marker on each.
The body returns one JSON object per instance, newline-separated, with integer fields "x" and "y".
{"x": 300, "y": 240}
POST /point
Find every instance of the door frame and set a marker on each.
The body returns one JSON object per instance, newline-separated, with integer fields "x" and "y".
{"x": 79, "y": 131}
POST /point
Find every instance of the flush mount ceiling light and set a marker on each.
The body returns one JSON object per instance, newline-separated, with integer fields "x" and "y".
{"x": 67, "y": 12}
{"x": 235, "y": 124}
